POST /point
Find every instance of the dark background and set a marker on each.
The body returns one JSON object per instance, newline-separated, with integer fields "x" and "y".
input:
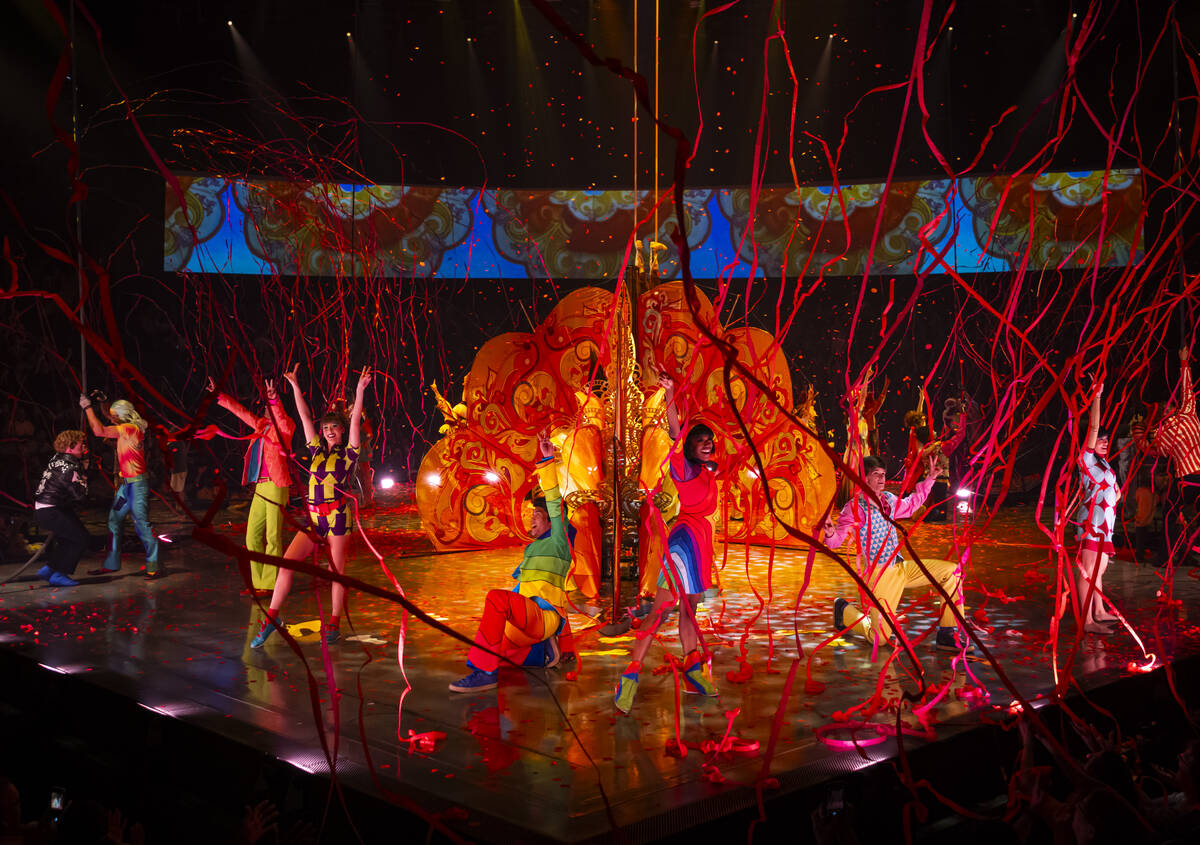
{"x": 487, "y": 91}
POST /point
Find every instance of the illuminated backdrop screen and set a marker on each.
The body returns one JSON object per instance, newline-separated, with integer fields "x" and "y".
{"x": 976, "y": 224}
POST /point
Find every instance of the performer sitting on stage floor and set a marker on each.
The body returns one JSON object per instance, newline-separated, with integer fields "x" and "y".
{"x": 687, "y": 566}
{"x": 524, "y": 624}
{"x": 1094, "y": 522}
{"x": 133, "y": 490}
{"x": 879, "y": 562}
{"x": 266, "y": 467}
{"x": 1177, "y": 436}
{"x": 63, "y": 485}
{"x": 330, "y": 472}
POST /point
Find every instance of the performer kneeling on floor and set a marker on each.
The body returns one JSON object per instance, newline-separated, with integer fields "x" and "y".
{"x": 525, "y": 624}
{"x": 689, "y": 558}
{"x": 63, "y": 485}
{"x": 881, "y": 566}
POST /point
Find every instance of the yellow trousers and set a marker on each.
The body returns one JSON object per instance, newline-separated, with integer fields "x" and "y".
{"x": 265, "y": 522}
{"x": 889, "y": 585}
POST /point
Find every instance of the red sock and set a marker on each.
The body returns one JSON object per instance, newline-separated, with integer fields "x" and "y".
{"x": 335, "y": 622}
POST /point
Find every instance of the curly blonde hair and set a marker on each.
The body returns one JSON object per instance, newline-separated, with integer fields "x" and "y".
{"x": 68, "y": 439}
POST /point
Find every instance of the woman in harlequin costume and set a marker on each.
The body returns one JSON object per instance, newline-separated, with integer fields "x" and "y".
{"x": 330, "y": 474}
{"x": 687, "y": 566}
{"x": 1095, "y": 520}
{"x": 525, "y": 624}
{"x": 133, "y": 490}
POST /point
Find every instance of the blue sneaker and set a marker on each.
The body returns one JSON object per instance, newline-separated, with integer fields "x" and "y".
{"x": 269, "y": 626}
{"x": 477, "y": 681}
{"x": 44, "y": 573}
{"x": 59, "y": 580}
{"x": 332, "y": 635}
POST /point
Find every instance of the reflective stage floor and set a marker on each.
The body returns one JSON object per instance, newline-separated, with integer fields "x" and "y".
{"x": 543, "y": 757}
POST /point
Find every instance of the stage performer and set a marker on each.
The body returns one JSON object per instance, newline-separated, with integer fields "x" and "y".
{"x": 1094, "y": 522}
{"x": 524, "y": 624}
{"x": 330, "y": 473}
{"x": 1177, "y": 436}
{"x": 133, "y": 492}
{"x": 266, "y": 467}
{"x": 880, "y": 564}
{"x": 63, "y": 486}
{"x": 687, "y": 566}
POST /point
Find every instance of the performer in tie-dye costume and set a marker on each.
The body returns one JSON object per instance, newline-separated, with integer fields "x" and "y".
{"x": 330, "y": 471}
{"x": 687, "y": 567}
{"x": 525, "y": 624}
{"x": 132, "y": 494}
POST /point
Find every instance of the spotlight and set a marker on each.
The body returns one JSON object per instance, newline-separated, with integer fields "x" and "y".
{"x": 433, "y": 479}
{"x": 229, "y": 23}
{"x": 490, "y": 477}
{"x": 963, "y": 493}
{"x": 347, "y": 35}
{"x": 1074, "y": 15}
{"x": 387, "y": 483}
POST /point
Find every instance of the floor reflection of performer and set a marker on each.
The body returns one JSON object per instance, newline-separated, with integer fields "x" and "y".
{"x": 266, "y": 467}
{"x": 687, "y": 569}
{"x": 524, "y": 624}
{"x": 330, "y": 472}
{"x": 880, "y": 563}
{"x": 132, "y": 494}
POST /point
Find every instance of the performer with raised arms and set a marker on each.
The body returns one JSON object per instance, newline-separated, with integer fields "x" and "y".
{"x": 687, "y": 566}
{"x": 330, "y": 470}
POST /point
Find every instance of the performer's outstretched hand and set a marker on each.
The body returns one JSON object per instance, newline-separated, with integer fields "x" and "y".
{"x": 544, "y": 444}
{"x": 85, "y": 401}
{"x": 666, "y": 383}
{"x": 290, "y": 375}
{"x": 1183, "y": 355}
{"x": 931, "y": 465}
{"x": 211, "y": 385}
{"x": 269, "y": 386}
{"x": 364, "y": 378}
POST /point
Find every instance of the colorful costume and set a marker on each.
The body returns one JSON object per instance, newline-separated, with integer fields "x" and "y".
{"x": 266, "y": 467}
{"x": 884, "y": 570}
{"x": 690, "y": 542}
{"x": 1097, "y": 512}
{"x": 62, "y": 486}
{"x": 1177, "y": 437}
{"x": 329, "y": 475}
{"x": 132, "y": 495}
{"x": 516, "y": 621}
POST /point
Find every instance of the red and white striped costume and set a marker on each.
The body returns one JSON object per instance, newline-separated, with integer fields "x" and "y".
{"x": 1177, "y": 436}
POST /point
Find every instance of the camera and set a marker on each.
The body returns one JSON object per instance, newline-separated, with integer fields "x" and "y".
{"x": 98, "y": 396}
{"x": 57, "y": 799}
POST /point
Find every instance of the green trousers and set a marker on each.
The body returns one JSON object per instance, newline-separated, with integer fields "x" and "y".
{"x": 265, "y": 522}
